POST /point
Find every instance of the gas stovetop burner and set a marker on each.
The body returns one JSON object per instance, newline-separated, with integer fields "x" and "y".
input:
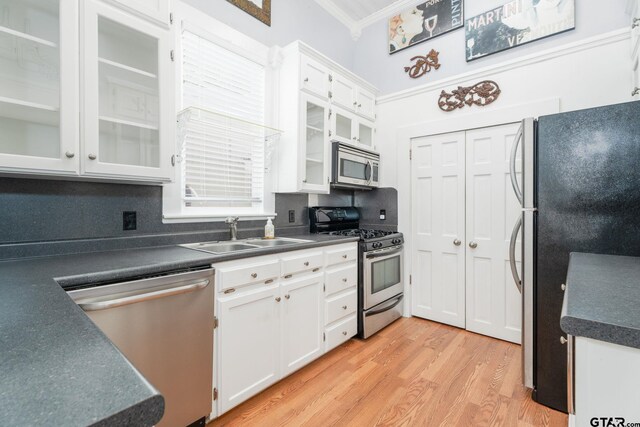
{"x": 362, "y": 233}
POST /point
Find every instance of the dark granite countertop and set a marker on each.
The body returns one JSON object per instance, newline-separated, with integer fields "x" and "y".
{"x": 57, "y": 367}
{"x": 602, "y": 297}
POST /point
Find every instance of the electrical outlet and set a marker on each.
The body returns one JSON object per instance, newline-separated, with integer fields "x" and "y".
{"x": 129, "y": 220}
{"x": 383, "y": 214}
{"x": 292, "y": 216}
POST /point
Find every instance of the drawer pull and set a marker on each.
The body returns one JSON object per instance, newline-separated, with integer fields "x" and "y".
{"x": 287, "y": 296}
{"x": 344, "y": 333}
{"x": 288, "y": 276}
{"x": 315, "y": 269}
{"x": 278, "y": 299}
{"x": 344, "y": 256}
{"x": 254, "y": 275}
{"x": 229, "y": 291}
{"x": 344, "y": 307}
{"x": 344, "y": 280}
{"x": 266, "y": 282}
{"x": 306, "y": 264}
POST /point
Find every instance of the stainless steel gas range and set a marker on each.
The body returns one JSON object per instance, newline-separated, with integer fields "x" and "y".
{"x": 380, "y": 281}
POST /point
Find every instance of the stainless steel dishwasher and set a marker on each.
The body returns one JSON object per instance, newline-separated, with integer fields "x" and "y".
{"x": 164, "y": 326}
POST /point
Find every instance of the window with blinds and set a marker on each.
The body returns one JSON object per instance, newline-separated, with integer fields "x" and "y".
{"x": 223, "y": 148}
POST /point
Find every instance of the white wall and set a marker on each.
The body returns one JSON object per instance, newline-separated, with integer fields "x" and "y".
{"x": 373, "y": 62}
{"x": 290, "y": 20}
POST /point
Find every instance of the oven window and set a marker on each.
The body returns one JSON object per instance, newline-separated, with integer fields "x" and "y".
{"x": 385, "y": 274}
{"x": 351, "y": 169}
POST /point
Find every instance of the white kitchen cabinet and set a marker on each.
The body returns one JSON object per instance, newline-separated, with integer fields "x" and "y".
{"x": 349, "y": 128}
{"x": 39, "y": 103}
{"x": 314, "y": 77}
{"x": 247, "y": 355}
{"x": 366, "y": 103}
{"x": 156, "y": 11}
{"x": 302, "y": 303}
{"x": 312, "y": 87}
{"x": 128, "y": 121}
{"x": 606, "y": 380}
{"x": 343, "y": 92}
{"x": 633, "y": 10}
{"x": 269, "y": 327}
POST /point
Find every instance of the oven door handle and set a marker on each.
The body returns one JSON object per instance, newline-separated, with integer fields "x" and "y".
{"x": 383, "y": 254}
{"x": 383, "y": 309}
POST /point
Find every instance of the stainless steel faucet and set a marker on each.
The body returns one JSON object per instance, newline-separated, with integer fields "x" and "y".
{"x": 233, "y": 226}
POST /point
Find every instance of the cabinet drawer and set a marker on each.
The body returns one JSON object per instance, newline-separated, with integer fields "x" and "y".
{"x": 301, "y": 262}
{"x": 342, "y": 278}
{"x": 341, "y": 333}
{"x": 245, "y": 274}
{"x": 342, "y": 254}
{"x": 341, "y": 306}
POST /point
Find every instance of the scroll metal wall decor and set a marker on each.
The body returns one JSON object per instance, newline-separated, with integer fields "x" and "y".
{"x": 481, "y": 94}
{"x": 423, "y": 64}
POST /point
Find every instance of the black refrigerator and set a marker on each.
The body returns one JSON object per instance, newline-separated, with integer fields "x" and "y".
{"x": 580, "y": 192}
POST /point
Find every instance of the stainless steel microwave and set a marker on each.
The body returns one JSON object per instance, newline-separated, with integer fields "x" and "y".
{"x": 354, "y": 167}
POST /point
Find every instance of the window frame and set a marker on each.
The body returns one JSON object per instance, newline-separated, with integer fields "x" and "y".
{"x": 197, "y": 22}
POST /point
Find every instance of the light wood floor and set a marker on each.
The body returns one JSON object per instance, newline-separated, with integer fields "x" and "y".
{"x": 413, "y": 373}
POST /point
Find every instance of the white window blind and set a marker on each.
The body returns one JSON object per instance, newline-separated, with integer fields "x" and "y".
{"x": 223, "y": 148}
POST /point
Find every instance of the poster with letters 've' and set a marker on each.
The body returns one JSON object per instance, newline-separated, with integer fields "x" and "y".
{"x": 516, "y": 23}
{"x": 423, "y": 22}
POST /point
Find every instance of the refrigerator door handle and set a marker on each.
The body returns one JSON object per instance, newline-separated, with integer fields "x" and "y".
{"x": 512, "y": 164}
{"x": 512, "y": 253}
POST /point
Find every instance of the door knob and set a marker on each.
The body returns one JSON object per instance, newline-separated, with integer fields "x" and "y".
{"x": 635, "y": 91}
{"x": 287, "y": 296}
{"x": 473, "y": 245}
{"x": 457, "y": 242}
{"x": 278, "y": 299}
{"x": 70, "y": 154}
{"x": 563, "y": 287}
{"x": 92, "y": 157}
{"x": 563, "y": 340}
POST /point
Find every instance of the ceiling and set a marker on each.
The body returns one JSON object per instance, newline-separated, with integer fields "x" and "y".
{"x": 357, "y": 14}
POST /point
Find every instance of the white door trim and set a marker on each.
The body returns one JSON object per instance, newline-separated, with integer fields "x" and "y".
{"x": 471, "y": 120}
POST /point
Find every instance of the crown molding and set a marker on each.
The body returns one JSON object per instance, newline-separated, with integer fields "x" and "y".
{"x": 356, "y": 27}
{"x": 614, "y": 36}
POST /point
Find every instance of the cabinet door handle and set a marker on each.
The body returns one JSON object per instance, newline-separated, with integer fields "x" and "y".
{"x": 70, "y": 154}
{"x": 355, "y": 104}
{"x": 287, "y": 296}
{"x": 315, "y": 269}
{"x": 457, "y": 242}
{"x": 344, "y": 280}
{"x": 563, "y": 287}
{"x": 92, "y": 157}
{"x": 278, "y": 299}
{"x": 473, "y": 245}
{"x": 266, "y": 282}
{"x": 635, "y": 91}
{"x": 254, "y": 275}
{"x": 306, "y": 264}
{"x": 306, "y": 79}
{"x": 344, "y": 307}
{"x": 563, "y": 340}
{"x": 636, "y": 23}
{"x": 288, "y": 276}
{"x": 345, "y": 256}
{"x": 344, "y": 333}
{"x": 359, "y": 105}
{"x": 229, "y": 291}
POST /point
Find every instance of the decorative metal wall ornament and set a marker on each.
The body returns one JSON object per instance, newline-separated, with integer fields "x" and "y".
{"x": 423, "y": 64}
{"x": 481, "y": 94}
{"x": 253, "y": 8}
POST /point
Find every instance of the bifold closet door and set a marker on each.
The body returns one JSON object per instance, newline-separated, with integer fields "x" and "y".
{"x": 493, "y": 304}
{"x": 438, "y": 197}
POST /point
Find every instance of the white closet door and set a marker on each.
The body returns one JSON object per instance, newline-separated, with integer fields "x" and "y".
{"x": 438, "y": 291}
{"x": 493, "y": 303}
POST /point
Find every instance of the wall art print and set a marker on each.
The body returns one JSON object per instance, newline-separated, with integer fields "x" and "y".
{"x": 423, "y": 22}
{"x": 516, "y": 23}
{"x": 259, "y": 9}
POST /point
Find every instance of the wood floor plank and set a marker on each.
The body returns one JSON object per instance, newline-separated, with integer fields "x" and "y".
{"x": 413, "y": 373}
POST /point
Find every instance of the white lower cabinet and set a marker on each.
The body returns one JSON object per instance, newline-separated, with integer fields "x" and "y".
{"x": 249, "y": 359}
{"x": 272, "y": 314}
{"x": 301, "y": 322}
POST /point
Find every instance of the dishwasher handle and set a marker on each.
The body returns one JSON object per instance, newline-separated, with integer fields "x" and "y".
{"x": 147, "y": 296}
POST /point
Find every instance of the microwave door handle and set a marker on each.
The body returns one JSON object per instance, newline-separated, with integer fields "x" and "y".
{"x": 512, "y": 163}
{"x": 368, "y": 169}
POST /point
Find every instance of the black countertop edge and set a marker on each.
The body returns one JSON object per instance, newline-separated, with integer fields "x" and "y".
{"x": 601, "y": 299}
{"x": 56, "y": 366}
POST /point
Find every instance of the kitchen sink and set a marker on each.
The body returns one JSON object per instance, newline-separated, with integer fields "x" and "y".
{"x": 275, "y": 242}
{"x": 241, "y": 245}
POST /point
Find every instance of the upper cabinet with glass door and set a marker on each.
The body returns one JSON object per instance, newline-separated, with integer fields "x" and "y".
{"x": 128, "y": 122}
{"x": 38, "y": 86}
{"x": 156, "y": 11}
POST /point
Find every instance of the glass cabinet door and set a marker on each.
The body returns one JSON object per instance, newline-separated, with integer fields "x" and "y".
{"x": 365, "y": 135}
{"x": 342, "y": 127}
{"x": 315, "y": 144}
{"x": 125, "y": 67}
{"x": 38, "y": 128}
